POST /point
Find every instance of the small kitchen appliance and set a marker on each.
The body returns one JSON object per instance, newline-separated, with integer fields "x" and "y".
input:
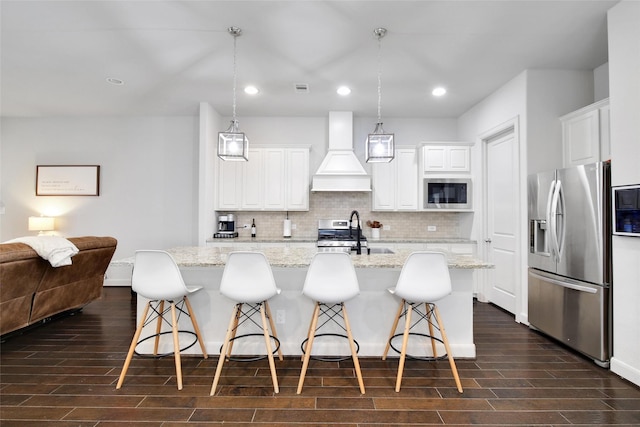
{"x": 447, "y": 193}
{"x": 336, "y": 235}
{"x": 626, "y": 206}
{"x": 226, "y": 227}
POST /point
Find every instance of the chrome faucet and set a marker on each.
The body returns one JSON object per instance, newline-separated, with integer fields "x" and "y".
{"x": 358, "y": 231}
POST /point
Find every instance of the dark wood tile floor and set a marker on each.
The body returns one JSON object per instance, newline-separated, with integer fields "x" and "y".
{"x": 64, "y": 374}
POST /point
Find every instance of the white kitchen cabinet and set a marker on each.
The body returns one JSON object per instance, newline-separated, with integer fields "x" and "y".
{"x": 274, "y": 179}
{"x": 229, "y": 185}
{"x": 252, "y": 181}
{"x": 585, "y": 134}
{"x": 297, "y": 181}
{"x": 453, "y": 157}
{"x": 395, "y": 184}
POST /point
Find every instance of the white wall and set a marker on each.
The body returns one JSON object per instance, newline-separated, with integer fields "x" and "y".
{"x": 506, "y": 104}
{"x": 601, "y": 82}
{"x": 536, "y": 99}
{"x": 157, "y": 177}
{"x": 148, "y": 182}
{"x": 550, "y": 95}
{"x": 624, "y": 69}
{"x": 209, "y": 124}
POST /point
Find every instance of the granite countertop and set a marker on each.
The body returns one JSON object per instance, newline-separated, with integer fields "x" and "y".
{"x": 314, "y": 239}
{"x": 196, "y": 256}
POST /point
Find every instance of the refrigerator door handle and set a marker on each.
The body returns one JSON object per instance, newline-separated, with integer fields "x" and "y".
{"x": 565, "y": 284}
{"x": 552, "y": 219}
{"x": 558, "y": 207}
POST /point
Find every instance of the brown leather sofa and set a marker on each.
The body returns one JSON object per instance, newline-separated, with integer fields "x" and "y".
{"x": 31, "y": 290}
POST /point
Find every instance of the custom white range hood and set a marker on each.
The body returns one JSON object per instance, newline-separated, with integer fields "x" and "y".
{"x": 341, "y": 170}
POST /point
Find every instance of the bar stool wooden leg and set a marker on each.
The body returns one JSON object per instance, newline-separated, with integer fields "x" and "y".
{"x": 223, "y": 351}
{"x": 132, "y": 347}
{"x": 273, "y": 328}
{"x": 309, "y": 346}
{"x": 403, "y": 351}
{"x": 234, "y": 330}
{"x": 354, "y": 354}
{"x": 393, "y": 330}
{"x": 176, "y": 344}
{"x": 267, "y": 341}
{"x": 429, "y": 314}
{"x": 158, "y": 327}
{"x": 452, "y": 363}
{"x": 308, "y": 334}
{"x": 196, "y": 328}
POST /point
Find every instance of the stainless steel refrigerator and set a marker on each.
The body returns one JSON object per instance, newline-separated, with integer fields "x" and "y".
{"x": 570, "y": 276}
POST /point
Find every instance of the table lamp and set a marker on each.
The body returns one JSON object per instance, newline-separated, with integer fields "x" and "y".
{"x": 41, "y": 224}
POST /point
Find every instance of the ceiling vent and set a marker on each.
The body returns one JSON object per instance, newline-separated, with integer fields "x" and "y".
{"x": 301, "y": 88}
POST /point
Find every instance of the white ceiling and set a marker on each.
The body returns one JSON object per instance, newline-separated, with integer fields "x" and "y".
{"x": 56, "y": 55}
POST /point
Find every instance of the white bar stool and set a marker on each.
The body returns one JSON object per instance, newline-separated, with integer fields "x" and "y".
{"x": 247, "y": 279}
{"x": 157, "y": 278}
{"x": 424, "y": 279}
{"x": 331, "y": 280}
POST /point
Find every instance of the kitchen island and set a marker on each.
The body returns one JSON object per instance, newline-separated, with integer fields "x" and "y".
{"x": 371, "y": 313}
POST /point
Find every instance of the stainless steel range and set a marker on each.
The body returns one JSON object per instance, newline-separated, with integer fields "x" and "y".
{"x": 336, "y": 235}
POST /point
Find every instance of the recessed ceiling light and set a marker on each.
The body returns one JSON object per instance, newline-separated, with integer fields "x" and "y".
{"x": 115, "y": 81}
{"x": 439, "y": 91}
{"x": 251, "y": 90}
{"x": 343, "y": 90}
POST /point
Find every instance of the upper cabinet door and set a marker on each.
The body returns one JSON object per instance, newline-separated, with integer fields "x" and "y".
{"x": 252, "y": 180}
{"x": 297, "y": 181}
{"x": 383, "y": 180}
{"x": 407, "y": 179}
{"x": 395, "y": 184}
{"x": 581, "y": 139}
{"x": 448, "y": 158}
{"x": 459, "y": 159}
{"x": 274, "y": 179}
{"x": 229, "y": 179}
{"x": 585, "y": 135}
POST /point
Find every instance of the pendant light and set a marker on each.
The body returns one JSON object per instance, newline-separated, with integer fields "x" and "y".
{"x": 232, "y": 143}
{"x": 380, "y": 146}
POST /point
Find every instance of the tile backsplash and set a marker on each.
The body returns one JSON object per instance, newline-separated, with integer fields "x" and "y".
{"x": 335, "y": 205}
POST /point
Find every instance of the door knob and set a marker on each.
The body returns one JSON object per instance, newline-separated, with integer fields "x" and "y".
{"x": 487, "y": 240}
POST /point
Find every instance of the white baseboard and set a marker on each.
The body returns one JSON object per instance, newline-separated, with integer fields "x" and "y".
{"x": 625, "y": 370}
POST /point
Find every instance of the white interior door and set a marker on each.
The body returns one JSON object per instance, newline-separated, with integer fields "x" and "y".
{"x": 502, "y": 219}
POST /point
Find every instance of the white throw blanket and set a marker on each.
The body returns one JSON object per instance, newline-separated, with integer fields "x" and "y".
{"x": 57, "y": 250}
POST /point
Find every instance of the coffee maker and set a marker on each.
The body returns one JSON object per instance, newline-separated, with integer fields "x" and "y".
{"x": 226, "y": 227}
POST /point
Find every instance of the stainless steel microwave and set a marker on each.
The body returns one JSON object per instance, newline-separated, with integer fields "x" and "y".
{"x": 626, "y": 210}
{"x": 447, "y": 193}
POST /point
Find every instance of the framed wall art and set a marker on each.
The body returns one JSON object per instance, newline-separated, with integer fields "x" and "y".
{"x": 67, "y": 180}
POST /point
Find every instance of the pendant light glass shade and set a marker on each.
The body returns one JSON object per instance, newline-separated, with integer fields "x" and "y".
{"x": 380, "y": 146}
{"x": 233, "y": 144}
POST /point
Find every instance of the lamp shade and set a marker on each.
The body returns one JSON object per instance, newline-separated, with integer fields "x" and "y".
{"x": 233, "y": 144}
{"x": 41, "y": 223}
{"x": 380, "y": 146}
